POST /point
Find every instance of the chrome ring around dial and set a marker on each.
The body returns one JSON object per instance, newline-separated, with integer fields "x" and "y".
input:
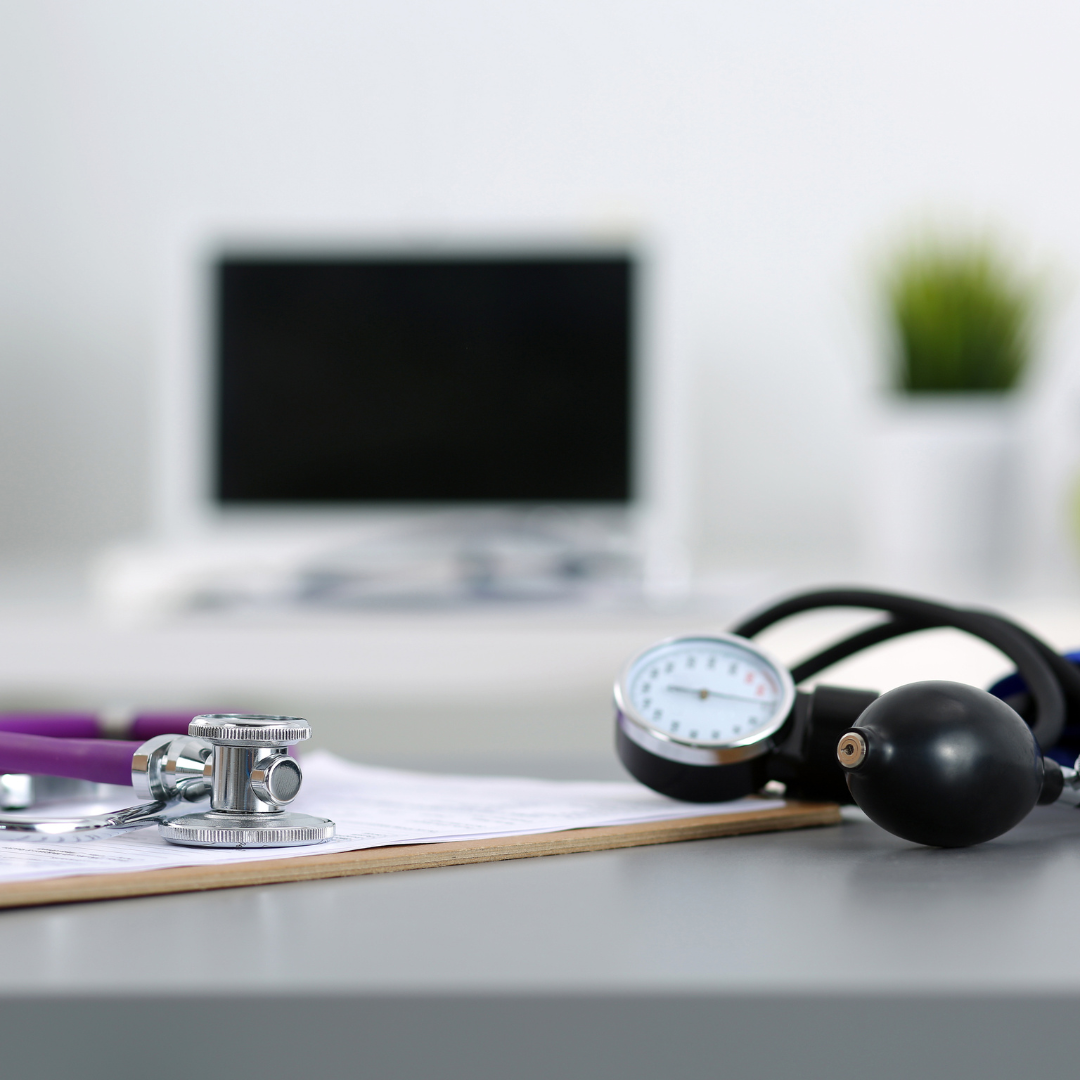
{"x": 704, "y": 699}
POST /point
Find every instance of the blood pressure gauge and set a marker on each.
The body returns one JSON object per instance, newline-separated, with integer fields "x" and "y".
{"x": 694, "y": 713}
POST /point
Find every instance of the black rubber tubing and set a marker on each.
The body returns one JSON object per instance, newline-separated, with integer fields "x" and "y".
{"x": 864, "y": 639}
{"x": 1045, "y": 673}
{"x": 1065, "y": 671}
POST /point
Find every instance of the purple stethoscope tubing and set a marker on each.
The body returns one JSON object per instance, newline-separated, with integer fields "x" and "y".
{"x": 72, "y": 744}
{"x": 101, "y": 761}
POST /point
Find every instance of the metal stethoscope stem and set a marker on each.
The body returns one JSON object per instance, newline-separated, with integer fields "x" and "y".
{"x": 132, "y": 817}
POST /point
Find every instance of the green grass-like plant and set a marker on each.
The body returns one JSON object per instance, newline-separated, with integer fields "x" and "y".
{"x": 963, "y": 316}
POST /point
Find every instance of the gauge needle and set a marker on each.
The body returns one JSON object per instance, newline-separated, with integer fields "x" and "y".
{"x": 703, "y": 694}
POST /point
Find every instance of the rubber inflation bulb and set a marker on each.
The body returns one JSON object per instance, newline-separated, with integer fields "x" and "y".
{"x": 942, "y": 763}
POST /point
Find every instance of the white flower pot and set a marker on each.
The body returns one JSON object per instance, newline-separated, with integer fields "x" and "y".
{"x": 940, "y": 492}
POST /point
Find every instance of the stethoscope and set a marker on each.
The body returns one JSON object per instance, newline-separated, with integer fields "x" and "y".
{"x": 714, "y": 717}
{"x": 240, "y": 762}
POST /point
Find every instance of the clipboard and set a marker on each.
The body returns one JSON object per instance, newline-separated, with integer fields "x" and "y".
{"x": 384, "y": 860}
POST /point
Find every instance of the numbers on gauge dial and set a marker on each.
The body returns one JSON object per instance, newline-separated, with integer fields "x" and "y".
{"x": 705, "y": 692}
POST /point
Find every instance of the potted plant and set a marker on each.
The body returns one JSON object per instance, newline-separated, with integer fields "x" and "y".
{"x": 962, "y": 320}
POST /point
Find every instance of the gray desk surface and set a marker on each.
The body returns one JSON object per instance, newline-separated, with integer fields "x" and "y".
{"x": 838, "y": 951}
{"x": 745, "y": 956}
{"x": 844, "y": 909}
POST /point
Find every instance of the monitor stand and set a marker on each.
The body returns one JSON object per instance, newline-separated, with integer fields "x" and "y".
{"x": 425, "y": 559}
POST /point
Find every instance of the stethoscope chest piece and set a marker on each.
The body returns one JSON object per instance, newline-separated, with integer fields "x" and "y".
{"x": 252, "y": 777}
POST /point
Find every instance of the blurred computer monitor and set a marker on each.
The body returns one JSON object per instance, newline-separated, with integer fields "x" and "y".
{"x": 421, "y": 380}
{"x": 397, "y": 422}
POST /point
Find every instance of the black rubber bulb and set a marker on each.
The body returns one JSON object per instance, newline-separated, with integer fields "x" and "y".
{"x": 943, "y": 764}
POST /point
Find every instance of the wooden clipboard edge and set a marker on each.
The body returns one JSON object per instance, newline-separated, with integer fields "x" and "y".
{"x": 385, "y": 860}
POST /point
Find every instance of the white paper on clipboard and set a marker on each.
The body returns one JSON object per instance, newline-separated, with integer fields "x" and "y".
{"x": 376, "y": 807}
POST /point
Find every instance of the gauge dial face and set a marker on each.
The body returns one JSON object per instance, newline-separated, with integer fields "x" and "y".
{"x": 707, "y": 691}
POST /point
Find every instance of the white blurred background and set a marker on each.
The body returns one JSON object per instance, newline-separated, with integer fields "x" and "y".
{"x": 767, "y": 154}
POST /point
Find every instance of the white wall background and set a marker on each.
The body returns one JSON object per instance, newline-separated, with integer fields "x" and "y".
{"x": 767, "y": 150}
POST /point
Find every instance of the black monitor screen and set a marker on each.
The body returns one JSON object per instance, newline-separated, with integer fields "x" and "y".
{"x": 481, "y": 379}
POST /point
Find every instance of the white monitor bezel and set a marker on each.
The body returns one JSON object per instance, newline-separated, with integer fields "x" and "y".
{"x": 185, "y": 506}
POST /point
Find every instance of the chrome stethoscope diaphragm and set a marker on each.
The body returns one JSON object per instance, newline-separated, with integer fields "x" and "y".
{"x": 241, "y": 761}
{"x": 252, "y": 778}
